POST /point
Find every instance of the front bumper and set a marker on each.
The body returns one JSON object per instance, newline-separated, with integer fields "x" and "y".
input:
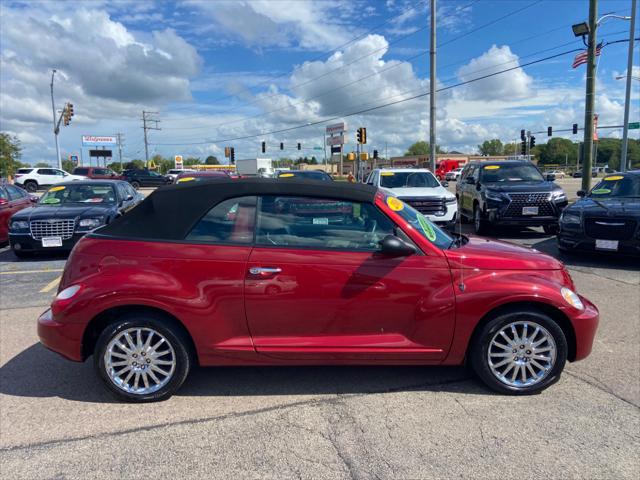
{"x": 494, "y": 218}
{"x": 24, "y": 242}
{"x": 575, "y": 239}
{"x": 62, "y": 338}
{"x": 585, "y": 325}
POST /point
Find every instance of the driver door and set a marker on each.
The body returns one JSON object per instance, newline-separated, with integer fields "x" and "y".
{"x": 317, "y": 289}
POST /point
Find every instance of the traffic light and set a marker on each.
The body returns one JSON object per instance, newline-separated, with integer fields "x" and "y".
{"x": 351, "y": 156}
{"x": 575, "y": 128}
{"x": 549, "y": 131}
{"x": 264, "y": 147}
{"x": 532, "y": 142}
{"x": 522, "y": 135}
{"x": 70, "y": 110}
{"x": 299, "y": 146}
{"x": 523, "y": 147}
{"x": 375, "y": 154}
{"x": 362, "y": 135}
{"x": 227, "y": 152}
{"x": 281, "y": 146}
{"x": 65, "y": 118}
{"x": 233, "y": 155}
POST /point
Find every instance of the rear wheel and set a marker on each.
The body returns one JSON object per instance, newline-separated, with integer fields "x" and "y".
{"x": 135, "y": 184}
{"x": 519, "y": 353}
{"x": 31, "y": 186}
{"x": 141, "y": 358}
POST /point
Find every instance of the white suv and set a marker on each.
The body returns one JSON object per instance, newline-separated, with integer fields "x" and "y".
{"x": 174, "y": 172}
{"x": 33, "y": 178}
{"x": 419, "y": 188}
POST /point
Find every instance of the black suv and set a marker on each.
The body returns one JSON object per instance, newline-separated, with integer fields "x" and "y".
{"x": 511, "y": 192}
{"x": 145, "y": 178}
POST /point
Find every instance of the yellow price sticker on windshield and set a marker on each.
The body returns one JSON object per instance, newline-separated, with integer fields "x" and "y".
{"x": 492, "y": 167}
{"x": 387, "y": 174}
{"x": 285, "y": 175}
{"x": 185, "y": 179}
{"x": 615, "y": 177}
{"x": 57, "y": 189}
{"x": 395, "y": 204}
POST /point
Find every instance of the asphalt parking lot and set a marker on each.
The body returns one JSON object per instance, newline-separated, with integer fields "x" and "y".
{"x": 57, "y": 421}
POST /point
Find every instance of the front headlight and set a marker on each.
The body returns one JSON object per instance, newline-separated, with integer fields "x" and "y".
{"x": 493, "y": 196}
{"x": 570, "y": 218}
{"x": 19, "y": 225}
{"x": 559, "y": 196}
{"x": 450, "y": 200}
{"x": 90, "y": 223}
{"x": 571, "y": 298}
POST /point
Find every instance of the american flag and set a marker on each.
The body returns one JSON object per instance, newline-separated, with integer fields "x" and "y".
{"x": 581, "y": 58}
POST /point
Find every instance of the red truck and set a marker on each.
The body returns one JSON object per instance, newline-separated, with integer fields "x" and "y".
{"x": 444, "y": 166}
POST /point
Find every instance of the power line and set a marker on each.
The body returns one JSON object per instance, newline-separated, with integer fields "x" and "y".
{"x": 370, "y": 109}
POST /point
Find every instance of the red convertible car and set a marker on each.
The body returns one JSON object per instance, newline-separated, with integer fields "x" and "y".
{"x": 188, "y": 277}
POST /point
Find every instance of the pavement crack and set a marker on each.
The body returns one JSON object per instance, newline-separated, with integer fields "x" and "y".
{"x": 594, "y": 382}
{"x": 478, "y": 422}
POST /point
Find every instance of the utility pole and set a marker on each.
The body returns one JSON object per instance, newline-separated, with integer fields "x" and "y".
{"x": 627, "y": 98}
{"x": 56, "y": 128}
{"x": 590, "y": 96}
{"x": 120, "y": 135}
{"x": 432, "y": 87}
{"x": 147, "y": 118}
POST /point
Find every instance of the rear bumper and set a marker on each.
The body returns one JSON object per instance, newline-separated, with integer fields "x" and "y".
{"x": 26, "y": 243}
{"x": 585, "y": 325}
{"x": 64, "y": 339}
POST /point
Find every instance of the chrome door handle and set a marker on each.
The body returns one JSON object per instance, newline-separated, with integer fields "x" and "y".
{"x": 264, "y": 270}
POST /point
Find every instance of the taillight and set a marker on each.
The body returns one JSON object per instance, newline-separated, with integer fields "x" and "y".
{"x": 64, "y": 298}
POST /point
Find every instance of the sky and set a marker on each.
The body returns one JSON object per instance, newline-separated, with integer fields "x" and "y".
{"x": 233, "y": 73}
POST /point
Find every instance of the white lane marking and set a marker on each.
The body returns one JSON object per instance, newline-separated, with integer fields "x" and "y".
{"x": 16, "y": 272}
{"x": 5, "y": 249}
{"x": 51, "y": 285}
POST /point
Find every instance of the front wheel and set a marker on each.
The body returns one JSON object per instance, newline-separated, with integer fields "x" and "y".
{"x": 479, "y": 224}
{"x": 135, "y": 185}
{"x": 519, "y": 353}
{"x": 140, "y": 358}
{"x": 31, "y": 186}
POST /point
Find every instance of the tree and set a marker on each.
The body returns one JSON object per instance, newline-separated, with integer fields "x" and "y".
{"x": 491, "y": 147}
{"x": 134, "y": 165}
{"x": 43, "y": 165}
{"x": 421, "y": 148}
{"x": 211, "y": 160}
{"x": 115, "y": 166}
{"x": 511, "y": 149}
{"x": 192, "y": 161}
{"x": 558, "y": 151}
{"x": 10, "y": 154}
{"x": 68, "y": 165}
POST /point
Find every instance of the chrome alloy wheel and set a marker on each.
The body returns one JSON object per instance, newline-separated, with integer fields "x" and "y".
{"x": 521, "y": 354}
{"x": 139, "y": 360}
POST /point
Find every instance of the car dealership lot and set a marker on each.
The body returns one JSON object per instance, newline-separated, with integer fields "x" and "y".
{"x": 340, "y": 422}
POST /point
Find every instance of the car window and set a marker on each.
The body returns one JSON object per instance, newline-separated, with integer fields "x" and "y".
{"x": 320, "y": 223}
{"x": 100, "y": 171}
{"x": 473, "y": 173}
{"x": 46, "y": 171}
{"x": 15, "y": 193}
{"x": 154, "y": 174}
{"x": 130, "y": 190}
{"x": 231, "y": 221}
{"x": 617, "y": 186}
{"x": 399, "y": 179}
{"x": 81, "y": 171}
{"x": 510, "y": 172}
{"x": 122, "y": 191}
{"x": 24, "y": 171}
{"x": 3, "y": 194}
{"x": 78, "y": 193}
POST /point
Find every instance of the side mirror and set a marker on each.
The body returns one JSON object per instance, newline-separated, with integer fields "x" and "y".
{"x": 469, "y": 180}
{"x": 34, "y": 199}
{"x": 551, "y": 177}
{"x": 392, "y": 246}
{"x": 581, "y": 193}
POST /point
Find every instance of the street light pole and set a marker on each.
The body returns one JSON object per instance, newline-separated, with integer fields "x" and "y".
{"x": 432, "y": 88}
{"x": 590, "y": 96}
{"x": 55, "y": 127}
{"x": 627, "y": 98}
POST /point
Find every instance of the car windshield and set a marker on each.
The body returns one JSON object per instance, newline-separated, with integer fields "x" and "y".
{"x": 306, "y": 175}
{"x": 73, "y": 193}
{"x": 618, "y": 186}
{"x": 422, "y": 224}
{"x": 408, "y": 180}
{"x": 513, "y": 172}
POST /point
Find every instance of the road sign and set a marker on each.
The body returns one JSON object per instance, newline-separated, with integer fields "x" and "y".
{"x": 95, "y": 140}
{"x": 318, "y": 148}
{"x": 178, "y": 160}
{"x": 336, "y": 128}
{"x": 634, "y": 125}
{"x": 336, "y": 140}
{"x": 335, "y": 149}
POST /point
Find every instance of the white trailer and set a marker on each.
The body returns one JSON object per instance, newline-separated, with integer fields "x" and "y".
{"x": 259, "y": 167}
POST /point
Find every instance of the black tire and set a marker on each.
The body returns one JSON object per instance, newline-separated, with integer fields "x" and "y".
{"x": 173, "y": 337}
{"x": 479, "y": 223}
{"x": 135, "y": 185}
{"x": 550, "y": 229}
{"x": 31, "y": 186}
{"x": 479, "y": 351}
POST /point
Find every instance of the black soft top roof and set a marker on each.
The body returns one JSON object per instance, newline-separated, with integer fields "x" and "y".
{"x": 170, "y": 212}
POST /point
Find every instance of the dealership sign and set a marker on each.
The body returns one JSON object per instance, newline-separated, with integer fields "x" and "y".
{"x": 95, "y": 140}
{"x": 336, "y": 128}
